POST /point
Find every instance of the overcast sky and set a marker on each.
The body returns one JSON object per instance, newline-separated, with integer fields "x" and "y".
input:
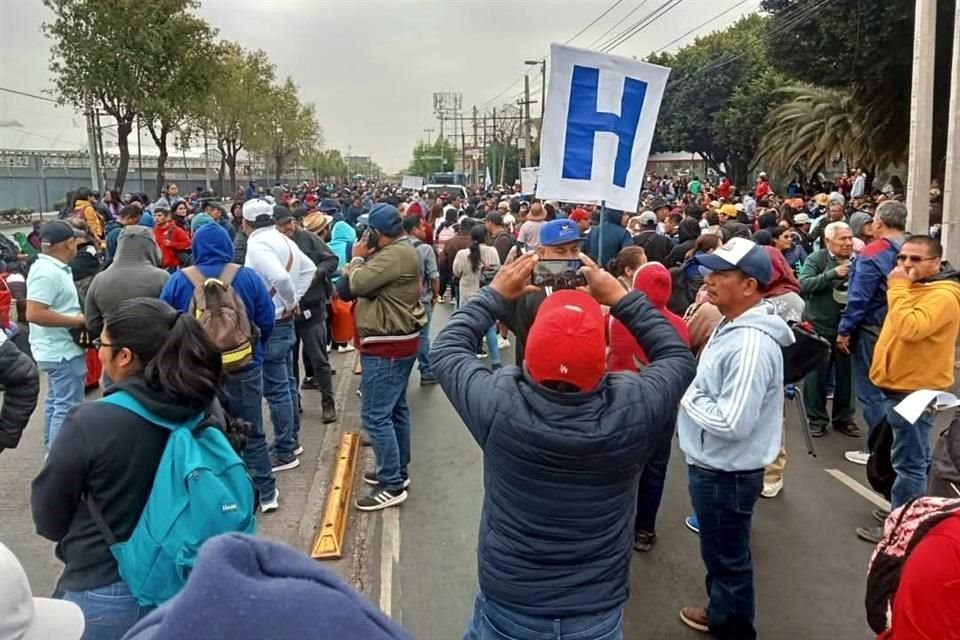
{"x": 370, "y": 66}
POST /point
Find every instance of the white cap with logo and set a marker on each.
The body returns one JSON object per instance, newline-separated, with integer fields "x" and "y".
{"x": 24, "y": 617}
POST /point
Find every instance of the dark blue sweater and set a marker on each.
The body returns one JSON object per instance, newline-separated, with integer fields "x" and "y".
{"x": 560, "y": 469}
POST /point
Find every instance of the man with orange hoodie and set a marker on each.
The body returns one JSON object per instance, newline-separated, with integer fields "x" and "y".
{"x": 625, "y": 354}
{"x": 915, "y": 351}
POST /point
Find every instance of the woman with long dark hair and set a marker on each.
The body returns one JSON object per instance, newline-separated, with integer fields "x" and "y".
{"x": 468, "y": 266}
{"x": 109, "y": 455}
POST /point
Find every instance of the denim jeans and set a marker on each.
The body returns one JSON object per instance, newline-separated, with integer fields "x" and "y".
{"x": 492, "y": 348}
{"x": 872, "y": 401}
{"x": 64, "y": 391}
{"x": 386, "y": 416}
{"x": 313, "y": 334}
{"x": 244, "y": 390}
{"x": 650, "y": 489}
{"x": 911, "y": 453}
{"x": 723, "y": 502}
{"x": 281, "y": 396}
{"x": 423, "y": 354}
{"x": 108, "y": 611}
{"x": 493, "y": 622}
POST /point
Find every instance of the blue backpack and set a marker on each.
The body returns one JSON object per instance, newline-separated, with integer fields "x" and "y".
{"x": 201, "y": 489}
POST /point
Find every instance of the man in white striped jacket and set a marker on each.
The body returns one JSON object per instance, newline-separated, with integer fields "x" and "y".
{"x": 729, "y": 427}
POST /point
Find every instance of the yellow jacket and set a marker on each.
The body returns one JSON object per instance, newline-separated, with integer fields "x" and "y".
{"x": 915, "y": 349}
{"x": 94, "y": 223}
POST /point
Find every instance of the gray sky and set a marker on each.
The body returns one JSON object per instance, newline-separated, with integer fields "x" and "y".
{"x": 370, "y": 66}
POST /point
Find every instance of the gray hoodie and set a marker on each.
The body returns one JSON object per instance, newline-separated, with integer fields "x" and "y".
{"x": 731, "y": 415}
{"x": 135, "y": 272}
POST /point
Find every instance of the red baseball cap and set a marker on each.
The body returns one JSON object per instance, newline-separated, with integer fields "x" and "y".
{"x": 579, "y": 214}
{"x": 566, "y": 342}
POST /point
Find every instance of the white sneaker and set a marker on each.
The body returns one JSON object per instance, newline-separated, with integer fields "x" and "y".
{"x": 298, "y": 451}
{"x": 857, "y": 457}
{"x": 503, "y": 343}
{"x": 483, "y": 355}
{"x": 266, "y": 506}
{"x": 772, "y": 489}
{"x": 329, "y": 348}
{"x": 346, "y": 348}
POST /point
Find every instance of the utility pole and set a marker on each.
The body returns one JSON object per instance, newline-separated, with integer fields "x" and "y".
{"x": 526, "y": 118}
{"x": 476, "y": 147}
{"x": 139, "y": 156}
{"x": 92, "y": 149}
{"x": 950, "y": 230}
{"x": 921, "y": 118}
{"x": 428, "y": 132}
{"x": 493, "y": 160}
{"x": 101, "y": 156}
{"x": 206, "y": 163}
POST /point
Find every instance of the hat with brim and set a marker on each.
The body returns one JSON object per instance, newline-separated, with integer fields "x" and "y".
{"x": 739, "y": 253}
{"x": 537, "y": 213}
{"x": 559, "y": 232}
{"x": 822, "y": 199}
{"x": 316, "y": 222}
{"x": 57, "y": 231}
{"x": 801, "y": 218}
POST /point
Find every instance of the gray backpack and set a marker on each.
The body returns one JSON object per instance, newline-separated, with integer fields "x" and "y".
{"x": 222, "y": 314}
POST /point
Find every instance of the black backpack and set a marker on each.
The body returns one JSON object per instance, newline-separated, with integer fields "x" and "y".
{"x": 880, "y": 471}
{"x": 808, "y": 350}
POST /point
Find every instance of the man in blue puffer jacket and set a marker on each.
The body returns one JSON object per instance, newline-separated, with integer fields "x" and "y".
{"x": 563, "y": 444}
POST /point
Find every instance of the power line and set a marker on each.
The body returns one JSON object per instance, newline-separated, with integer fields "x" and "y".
{"x": 595, "y": 21}
{"x": 27, "y": 95}
{"x": 701, "y": 25}
{"x": 607, "y": 32}
{"x": 640, "y": 25}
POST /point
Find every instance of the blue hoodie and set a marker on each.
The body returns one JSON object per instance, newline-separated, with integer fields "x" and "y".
{"x": 341, "y": 239}
{"x": 731, "y": 415}
{"x": 613, "y": 236}
{"x": 212, "y": 250}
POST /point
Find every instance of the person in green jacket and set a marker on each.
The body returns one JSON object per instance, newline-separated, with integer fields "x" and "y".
{"x": 823, "y": 284}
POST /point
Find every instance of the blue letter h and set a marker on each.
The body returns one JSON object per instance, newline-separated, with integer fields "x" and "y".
{"x": 584, "y": 121}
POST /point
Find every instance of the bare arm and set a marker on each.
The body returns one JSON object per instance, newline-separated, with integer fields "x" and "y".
{"x": 43, "y": 315}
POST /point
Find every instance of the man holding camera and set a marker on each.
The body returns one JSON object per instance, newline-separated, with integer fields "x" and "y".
{"x": 384, "y": 278}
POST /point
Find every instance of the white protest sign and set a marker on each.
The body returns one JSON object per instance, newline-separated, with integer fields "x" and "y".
{"x": 600, "y": 115}
{"x": 411, "y": 182}
{"x": 528, "y": 179}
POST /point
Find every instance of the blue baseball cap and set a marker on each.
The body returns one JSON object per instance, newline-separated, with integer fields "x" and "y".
{"x": 386, "y": 219}
{"x": 557, "y": 232}
{"x": 739, "y": 253}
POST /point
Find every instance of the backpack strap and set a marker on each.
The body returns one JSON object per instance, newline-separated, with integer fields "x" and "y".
{"x": 230, "y": 271}
{"x": 193, "y": 275}
{"x": 124, "y": 400}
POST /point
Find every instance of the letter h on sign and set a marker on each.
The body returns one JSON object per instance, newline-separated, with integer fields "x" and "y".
{"x": 584, "y": 122}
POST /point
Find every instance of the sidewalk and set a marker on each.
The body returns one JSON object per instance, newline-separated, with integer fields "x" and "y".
{"x": 302, "y": 490}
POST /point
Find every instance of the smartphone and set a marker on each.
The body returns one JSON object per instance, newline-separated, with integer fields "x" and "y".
{"x": 559, "y": 274}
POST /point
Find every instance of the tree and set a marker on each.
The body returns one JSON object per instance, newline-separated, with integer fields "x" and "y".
{"x": 325, "y": 165}
{"x": 184, "y": 65}
{"x": 233, "y": 110}
{"x": 501, "y": 154}
{"x": 866, "y": 49}
{"x": 290, "y": 128}
{"x": 110, "y": 55}
{"x": 428, "y": 159}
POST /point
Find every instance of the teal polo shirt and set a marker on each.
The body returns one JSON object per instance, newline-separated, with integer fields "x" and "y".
{"x": 50, "y": 282}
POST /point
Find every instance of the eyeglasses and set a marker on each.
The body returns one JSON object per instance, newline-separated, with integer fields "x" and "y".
{"x": 902, "y": 257}
{"x": 98, "y": 343}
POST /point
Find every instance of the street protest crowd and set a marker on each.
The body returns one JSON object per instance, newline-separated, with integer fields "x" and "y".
{"x": 694, "y": 316}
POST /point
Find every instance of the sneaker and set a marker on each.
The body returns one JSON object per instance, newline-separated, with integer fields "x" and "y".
{"x": 772, "y": 489}
{"x": 381, "y": 500}
{"x": 329, "y": 348}
{"x": 347, "y": 348}
{"x": 870, "y": 534}
{"x": 370, "y": 477}
{"x": 428, "y": 381}
{"x": 857, "y": 457}
{"x": 829, "y": 395}
{"x": 482, "y": 355}
{"x": 880, "y": 515}
{"x": 266, "y": 506}
{"x": 310, "y": 383}
{"x": 817, "y": 431}
{"x": 283, "y": 464}
{"x": 695, "y": 618}
{"x": 692, "y": 524}
{"x": 299, "y": 450}
{"x": 848, "y": 429}
{"x": 329, "y": 414}
{"x": 503, "y": 343}
{"x": 365, "y": 441}
{"x": 643, "y": 540}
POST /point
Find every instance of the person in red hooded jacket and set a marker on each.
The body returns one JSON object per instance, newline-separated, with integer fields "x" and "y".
{"x": 626, "y": 355}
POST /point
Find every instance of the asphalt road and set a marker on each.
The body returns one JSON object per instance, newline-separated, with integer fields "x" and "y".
{"x": 810, "y": 567}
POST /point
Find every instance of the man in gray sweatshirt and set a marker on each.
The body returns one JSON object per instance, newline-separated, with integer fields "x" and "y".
{"x": 135, "y": 272}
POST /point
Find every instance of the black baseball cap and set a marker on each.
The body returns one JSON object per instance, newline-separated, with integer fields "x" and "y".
{"x": 57, "y": 231}
{"x": 281, "y": 214}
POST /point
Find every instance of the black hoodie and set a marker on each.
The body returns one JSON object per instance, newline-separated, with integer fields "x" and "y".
{"x": 112, "y": 454}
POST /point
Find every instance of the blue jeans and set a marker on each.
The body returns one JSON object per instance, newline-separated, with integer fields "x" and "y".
{"x": 386, "y": 416}
{"x": 281, "y": 395}
{"x": 108, "y": 611}
{"x": 493, "y": 622}
{"x": 910, "y": 455}
{"x": 650, "y": 489}
{"x": 64, "y": 391}
{"x": 492, "y": 348}
{"x": 872, "y": 401}
{"x": 244, "y": 390}
{"x": 423, "y": 354}
{"x": 723, "y": 502}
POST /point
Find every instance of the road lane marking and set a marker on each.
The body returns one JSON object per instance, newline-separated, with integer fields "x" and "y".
{"x": 389, "y": 555}
{"x": 859, "y": 488}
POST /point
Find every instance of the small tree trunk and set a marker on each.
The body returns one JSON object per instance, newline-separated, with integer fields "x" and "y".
{"x": 124, "y": 127}
{"x": 161, "y": 168}
{"x": 220, "y": 176}
{"x": 278, "y": 159}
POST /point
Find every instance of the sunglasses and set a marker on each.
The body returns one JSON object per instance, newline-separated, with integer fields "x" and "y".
{"x": 902, "y": 257}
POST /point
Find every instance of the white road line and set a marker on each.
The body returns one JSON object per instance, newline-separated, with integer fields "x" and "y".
{"x": 389, "y": 555}
{"x": 859, "y": 488}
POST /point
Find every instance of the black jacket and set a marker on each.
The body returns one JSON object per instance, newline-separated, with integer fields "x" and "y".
{"x": 518, "y": 315}
{"x": 945, "y": 466}
{"x": 21, "y": 386}
{"x": 112, "y": 454}
{"x": 317, "y": 296}
{"x": 560, "y": 470}
{"x": 656, "y": 247}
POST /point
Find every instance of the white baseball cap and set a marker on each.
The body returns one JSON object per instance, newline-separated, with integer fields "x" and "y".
{"x": 258, "y": 210}
{"x": 25, "y": 617}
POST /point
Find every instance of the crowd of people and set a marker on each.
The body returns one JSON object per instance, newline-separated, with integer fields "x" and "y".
{"x": 191, "y": 311}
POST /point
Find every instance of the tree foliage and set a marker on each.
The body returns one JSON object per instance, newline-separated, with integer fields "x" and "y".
{"x": 720, "y": 90}
{"x": 291, "y": 127}
{"x": 440, "y": 155}
{"x": 326, "y": 165}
